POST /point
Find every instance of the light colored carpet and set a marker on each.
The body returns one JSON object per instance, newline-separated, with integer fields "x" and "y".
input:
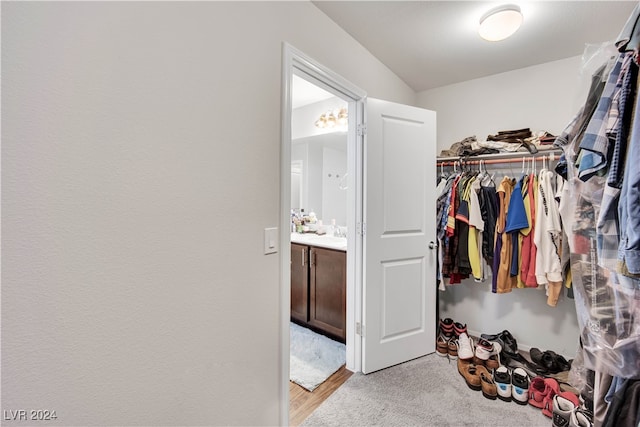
{"x": 314, "y": 357}
{"x": 427, "y": 391}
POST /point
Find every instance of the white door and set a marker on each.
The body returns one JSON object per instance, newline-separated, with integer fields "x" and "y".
{"x": 400, "y": 268}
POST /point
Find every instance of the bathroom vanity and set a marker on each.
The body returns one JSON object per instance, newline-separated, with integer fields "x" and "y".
{"x": 318, "y": 283}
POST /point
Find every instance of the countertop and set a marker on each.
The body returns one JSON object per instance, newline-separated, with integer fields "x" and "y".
{"x": 322, "y": 241}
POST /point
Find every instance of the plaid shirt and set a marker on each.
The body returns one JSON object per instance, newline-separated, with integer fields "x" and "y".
{"x": 627, "y": 83}
{"x": 629, "y": 206}
{"x": 595, "y": 143}
{"x": 607, "y": 226}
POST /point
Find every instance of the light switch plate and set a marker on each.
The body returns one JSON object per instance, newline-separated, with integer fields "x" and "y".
{"x": 271, "y": 240}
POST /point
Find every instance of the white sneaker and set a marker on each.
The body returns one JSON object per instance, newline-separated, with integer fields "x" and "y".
{"x": 484, "y": 349}
{"x": 562, "y": 409}
{"x": 580, "y": 418}
{"x": 493, "y": 362}
{"x": 465, "y": 347}
{"x": 502, "y": 378}
{"x": 520, "y": 386}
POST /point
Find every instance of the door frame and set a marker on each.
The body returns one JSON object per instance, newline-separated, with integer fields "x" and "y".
{"x": 296, "y": 62}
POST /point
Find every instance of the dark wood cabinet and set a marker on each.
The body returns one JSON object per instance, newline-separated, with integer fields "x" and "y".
{"x": 318, "y": 289}
{"x": 327, "y": 299}
{"x": 299, "y": 282}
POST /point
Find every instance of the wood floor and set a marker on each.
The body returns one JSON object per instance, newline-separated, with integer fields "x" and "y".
{"x": 302, "y": 402}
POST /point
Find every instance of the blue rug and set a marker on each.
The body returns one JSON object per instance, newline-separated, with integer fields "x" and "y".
{"x": 313, "y": 357}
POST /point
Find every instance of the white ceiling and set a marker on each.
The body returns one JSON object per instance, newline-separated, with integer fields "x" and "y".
{"x": 430, "y": 44}
{"x": 305, "y": 93}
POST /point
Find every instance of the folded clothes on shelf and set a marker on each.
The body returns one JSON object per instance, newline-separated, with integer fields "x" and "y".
{"x": 508, "y": 141}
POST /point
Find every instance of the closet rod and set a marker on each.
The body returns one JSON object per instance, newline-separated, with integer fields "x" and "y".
{"x": 496, "y": 161}
{"x": 506, "y": 155}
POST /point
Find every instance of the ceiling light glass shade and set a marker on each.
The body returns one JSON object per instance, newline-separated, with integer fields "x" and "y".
{"x": 342, "y": 116}
{"x": 500, "y": 23}
{"x": 322, "y": 121}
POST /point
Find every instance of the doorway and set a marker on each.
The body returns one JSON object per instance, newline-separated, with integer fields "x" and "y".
{"x": 393, "y": 321}
{"x": 348, "y": 187}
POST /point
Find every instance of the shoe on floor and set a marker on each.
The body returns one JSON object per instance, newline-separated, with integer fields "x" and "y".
{"x": 563, "y": 405}
{"x": 580, "y": 417}
{"x": 502, "y": 378}
{"x": 520, "y": 386}
{"x": 452, "y": 348}
{"x": 459, "y": 328}
{"x": 488, "y": 386}
{"x": 462, "y": 365}
{"x": 494, "y": 360}
{"x": 549, "y": 360}
{"x": 442, "y": 345}
{"x": 516, "y": 360}
{"x": 446, "y": 327}
{"x": 541, "y": 394}
{"x": 553, "y": 388}
{"x": 544, "y": 359}
{"x": 506, "y": 340}
{"x": 465, "y": 347}
{"x": 471, "y": 375}
{"x": 477, "y": 361}
{"x": 563, "y": 364}
{"x": 537, "y": 392}
{"x": 484, "y": 349}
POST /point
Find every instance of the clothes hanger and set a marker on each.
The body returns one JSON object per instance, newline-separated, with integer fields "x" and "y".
{"x": 481, "y": 173}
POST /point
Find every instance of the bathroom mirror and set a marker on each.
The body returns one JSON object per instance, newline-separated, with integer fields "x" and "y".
{"x": 319, "y": 152}
{"x": 318, "y": 169}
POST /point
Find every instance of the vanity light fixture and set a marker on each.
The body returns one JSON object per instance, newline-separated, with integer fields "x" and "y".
{"x": 331, "y": 119}
{"x": 500, "y": 22}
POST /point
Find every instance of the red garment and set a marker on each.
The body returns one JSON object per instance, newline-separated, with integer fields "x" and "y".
{"x": 528, "y": 274}
{"x": 451, "y": 213}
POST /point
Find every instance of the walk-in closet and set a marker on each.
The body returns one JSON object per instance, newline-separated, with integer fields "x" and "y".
{"x": 539, "y": 242}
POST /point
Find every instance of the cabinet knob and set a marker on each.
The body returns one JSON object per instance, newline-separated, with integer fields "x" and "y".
{"x": 433, "y": 245}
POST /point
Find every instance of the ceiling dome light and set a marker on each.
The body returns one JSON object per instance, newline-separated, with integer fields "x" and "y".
{"x": 500, "y": 23}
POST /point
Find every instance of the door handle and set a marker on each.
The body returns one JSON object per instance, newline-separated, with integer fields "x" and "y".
{"x": 304, "y": 252}
{"x": 433, "y": 245}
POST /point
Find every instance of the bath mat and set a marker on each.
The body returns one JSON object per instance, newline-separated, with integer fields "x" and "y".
{"x": 313, "y": 357}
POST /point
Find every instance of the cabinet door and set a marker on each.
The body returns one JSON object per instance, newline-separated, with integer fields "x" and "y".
{"x": 327, "y": 310}
{"x": 299, "y": 282}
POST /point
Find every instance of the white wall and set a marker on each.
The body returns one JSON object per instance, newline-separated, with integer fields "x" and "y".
{"x": 543, "y": 97}
{"x": 334, "y": 198}
{"x": 140, "y": 164}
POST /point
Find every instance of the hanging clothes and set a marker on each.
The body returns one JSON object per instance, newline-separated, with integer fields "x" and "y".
{"x": 529, "y": 249}
{"x": 476, "y": 230}
{"x": 489, "y": 210}
{"x": 503, "y": 281}
{"x": 547, "y": 238}
{"x": 606, "y": 297}
{"x": 516, "y": 221}
{"x": 477, "y": 222}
